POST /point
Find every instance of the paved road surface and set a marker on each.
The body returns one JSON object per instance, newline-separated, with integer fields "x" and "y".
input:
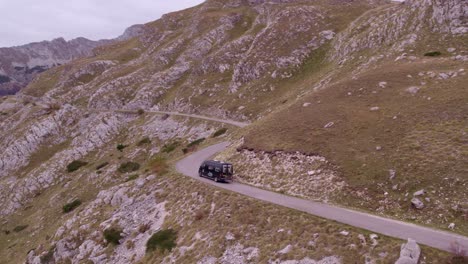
{"x": 434, "y": 238}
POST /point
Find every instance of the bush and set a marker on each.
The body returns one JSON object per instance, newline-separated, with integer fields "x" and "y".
{"x": 112, "y": 235}
{"x": 102, "y": 165}
{"x": 20, "y": 228}
{"x": 140, "y": 111}
{"x": 191, "y": 146}
{"x": 129, "y": 167}
{"x": 163, "y": 240}
{"x": 71, "y": 206}
{"x": 75, "y": 165}
{"x": 167, "y": 148}
{"x": 120, "y": 147}
{"x": 196, "y": 142}
{"x": 144, "y": 141}
{"x": 159, "y": 165}
{"x": 219, "y": 132}
{"x": 132, "y": 177}
{"x": 433, "y": 54}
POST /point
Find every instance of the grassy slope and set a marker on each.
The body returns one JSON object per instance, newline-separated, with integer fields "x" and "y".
{"x": 425, "y": 144}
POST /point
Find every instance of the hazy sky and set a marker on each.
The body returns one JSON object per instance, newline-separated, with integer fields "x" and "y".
{"x": 25, "y": 21}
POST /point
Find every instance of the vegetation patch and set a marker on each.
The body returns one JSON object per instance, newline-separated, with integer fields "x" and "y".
{"x": 71, "y": 206}
{"x": 113, "y": 235}
{"x": 76, "y": 165}
{"x": 129, "y": 166}
{"x": 159, "y": 165}
{"x": 19, "y": 228}
{"x": 162, "y": 240}
{"x": 192, "y": 145}
{"x": 132, "y": 177}
{"x": 433, "y": 54}
{"x": 102, "y": 165}
{"x": 219, "y": 132}
{"x": 167, "y": 148}
{"x": 120, "y": 147}
{"x": 144, "y": 141}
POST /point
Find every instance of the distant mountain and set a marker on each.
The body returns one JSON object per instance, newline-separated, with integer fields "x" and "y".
{"x": 19, "y": 65}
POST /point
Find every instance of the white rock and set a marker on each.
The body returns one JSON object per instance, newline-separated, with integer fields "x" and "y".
{"x": 420, "y": 192}
{"x": 306, "y": 104}
{"x": 344, "y": 233}
{"x": 413, "y": 89}
{"x": 409, "y": 253}
{"x": 374, "y": 108}
{"x": 229, "y": 236}
{"x": 451, "y": 50}
{"x": 451, "y": 226}
{"x": 382, "y": 84}
{"x": 416, "y": 203}
{"x": 285, "y": 250}
{"x": 329, "y": 124}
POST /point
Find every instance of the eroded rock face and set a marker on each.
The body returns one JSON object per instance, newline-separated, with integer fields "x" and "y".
{"x": 76, "y": 242}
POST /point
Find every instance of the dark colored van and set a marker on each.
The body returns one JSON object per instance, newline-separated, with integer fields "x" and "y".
{"x": 216, "y": 170}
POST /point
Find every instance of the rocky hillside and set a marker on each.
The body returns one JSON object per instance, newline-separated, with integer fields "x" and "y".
{"x": 356, "y": 99}
{"x": 19, "y": 65}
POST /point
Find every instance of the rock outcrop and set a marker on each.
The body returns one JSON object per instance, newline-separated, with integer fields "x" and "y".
{"x": 409, "y": 253}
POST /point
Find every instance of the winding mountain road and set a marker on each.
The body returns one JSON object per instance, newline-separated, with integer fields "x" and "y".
{"x": 389, "y": 227}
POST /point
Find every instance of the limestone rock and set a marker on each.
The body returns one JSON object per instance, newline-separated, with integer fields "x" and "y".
{"x": 409, "y": 253}
{"x": 416, "y": 203}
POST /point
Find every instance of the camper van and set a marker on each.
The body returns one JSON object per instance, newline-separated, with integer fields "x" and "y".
{"x": 216, "y": 170}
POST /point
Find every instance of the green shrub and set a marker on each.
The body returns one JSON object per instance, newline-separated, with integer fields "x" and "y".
{"x": 159, "y": 165}
{"x": 433, "y": 54}
{"x": 140, "y": 111}
{"x": 75, "y": 165}
{"x": 20, "y": 228}
{"x": 112, "y": 235}
{"x": 120, "y": 147}
{"x": 144, "y": 141}
{"x": 220, "y": 132}
{"x": 71, "y": 206}
{"x": 196, "y": 142}
{"x": 167, "y": 148}
{"x": 102, "y": 165}
{"x": 162, "y": 240}
{"x": 131, "y": 177}
{"x": 129, "y": 167}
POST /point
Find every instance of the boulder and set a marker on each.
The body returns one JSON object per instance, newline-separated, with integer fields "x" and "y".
{"x": 416, "y": 203}
{"x": 413, "y": 89}
{"x": 420, "y": 192}
{"x": 409, "y": 253}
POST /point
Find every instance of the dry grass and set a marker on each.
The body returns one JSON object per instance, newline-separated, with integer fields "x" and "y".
{"x": 423, "y": 140}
